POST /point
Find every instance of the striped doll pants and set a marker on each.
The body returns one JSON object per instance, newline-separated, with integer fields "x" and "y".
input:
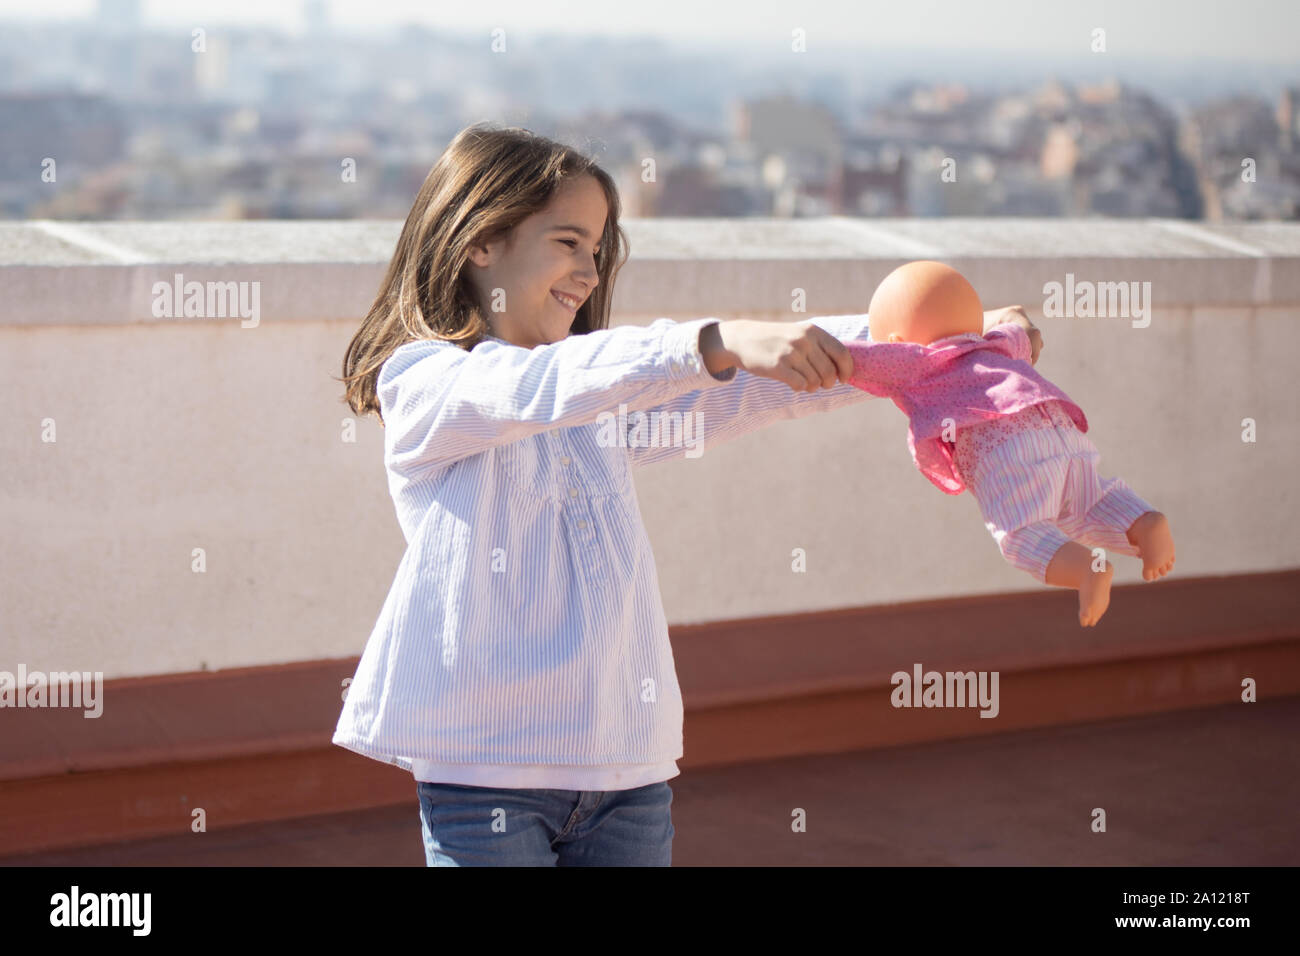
{"x": 1035, "y": 477}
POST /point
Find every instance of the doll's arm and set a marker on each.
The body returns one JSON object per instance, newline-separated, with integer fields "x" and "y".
{"x": 1013, "y": 340}
{"x": 1014, "y": 315}
{"x": 885, "y": 368}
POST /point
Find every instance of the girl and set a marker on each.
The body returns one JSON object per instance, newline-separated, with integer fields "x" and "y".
{"x": 520, "y": 667}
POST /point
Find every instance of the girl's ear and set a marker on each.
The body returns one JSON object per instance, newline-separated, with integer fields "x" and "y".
{"x": 480, "y": 255}
{"x": 485, "y": 253}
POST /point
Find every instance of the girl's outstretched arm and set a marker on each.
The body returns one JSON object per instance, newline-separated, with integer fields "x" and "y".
{"x": 752, "y": 401}
{"x": 441, "y": 403}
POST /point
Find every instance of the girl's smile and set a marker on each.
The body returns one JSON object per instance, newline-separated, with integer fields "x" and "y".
{"x": 570, "y": 302}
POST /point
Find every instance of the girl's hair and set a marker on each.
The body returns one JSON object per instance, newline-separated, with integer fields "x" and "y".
{"x": 485, "y": 183}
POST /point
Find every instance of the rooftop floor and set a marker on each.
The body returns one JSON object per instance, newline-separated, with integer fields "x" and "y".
{"x": 1212, "y": 787}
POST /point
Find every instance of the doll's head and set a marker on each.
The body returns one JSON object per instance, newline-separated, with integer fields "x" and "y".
{"x": 923, "y": 302}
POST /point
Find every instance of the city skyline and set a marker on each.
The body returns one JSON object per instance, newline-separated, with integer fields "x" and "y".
{"x": 1261, "y": 31}
{"x": 110, "y": 117}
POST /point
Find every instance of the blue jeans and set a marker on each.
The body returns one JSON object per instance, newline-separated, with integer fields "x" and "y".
{"x": 485, "y": 826}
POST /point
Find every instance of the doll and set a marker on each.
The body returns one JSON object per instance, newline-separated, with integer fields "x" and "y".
{"x": 981, "y": 417}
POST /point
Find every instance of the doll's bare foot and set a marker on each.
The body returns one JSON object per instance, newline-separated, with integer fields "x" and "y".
{"x": 1150, "y": 534}
{"x": 1094, "y": 595}
{"x": 1071, "y": 567}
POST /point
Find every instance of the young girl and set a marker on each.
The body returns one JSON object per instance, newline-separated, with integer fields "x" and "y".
{"x": 520, "y": 667}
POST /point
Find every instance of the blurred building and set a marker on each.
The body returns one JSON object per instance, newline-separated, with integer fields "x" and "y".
{"x": 80, "y": 133}
{"x": 1246, "y": 157}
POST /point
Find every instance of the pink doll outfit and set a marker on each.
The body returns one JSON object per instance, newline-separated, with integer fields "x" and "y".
{"x": 1019, "y": 442}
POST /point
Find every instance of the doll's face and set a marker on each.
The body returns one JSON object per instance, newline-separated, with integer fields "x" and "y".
{"x": 923, "y": 302}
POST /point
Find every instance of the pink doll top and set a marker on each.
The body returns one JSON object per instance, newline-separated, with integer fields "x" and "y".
{"x": 968, "y": 378}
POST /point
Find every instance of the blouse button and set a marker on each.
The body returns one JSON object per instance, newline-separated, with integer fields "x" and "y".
{"x": 573, "y": 492}
{"x": 582, "y": 524}
{"x": 564, "y": 459}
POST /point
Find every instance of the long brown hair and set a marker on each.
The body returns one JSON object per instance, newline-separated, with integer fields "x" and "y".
{"x": 486, "y": 182}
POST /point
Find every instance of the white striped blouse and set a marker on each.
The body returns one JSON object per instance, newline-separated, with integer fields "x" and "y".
{"x": 523, "y": 642}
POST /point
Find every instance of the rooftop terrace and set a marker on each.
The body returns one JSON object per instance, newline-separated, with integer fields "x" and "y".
{"x": 178, "y": 433}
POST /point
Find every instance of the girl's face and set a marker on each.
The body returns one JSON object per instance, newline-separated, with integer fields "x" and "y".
{"x": 532, "y": 282}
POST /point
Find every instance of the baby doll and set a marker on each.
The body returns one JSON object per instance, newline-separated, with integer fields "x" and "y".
{"x": 982, "y": 417}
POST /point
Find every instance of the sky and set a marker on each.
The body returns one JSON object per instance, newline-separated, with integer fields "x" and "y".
{"x": 1262, "y": 30}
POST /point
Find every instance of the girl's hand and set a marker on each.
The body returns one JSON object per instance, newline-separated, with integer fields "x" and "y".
{"x": 1016, "y": 314}
{"x": 803, "y": 355}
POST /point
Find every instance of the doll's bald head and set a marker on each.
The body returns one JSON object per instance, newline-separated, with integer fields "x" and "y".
{"x": 922, "y": 302}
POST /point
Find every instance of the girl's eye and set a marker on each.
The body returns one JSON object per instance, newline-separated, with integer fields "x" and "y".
{"x": 573, "y": 244}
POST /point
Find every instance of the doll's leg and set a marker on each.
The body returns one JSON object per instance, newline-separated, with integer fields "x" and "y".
{"x": 1047, "y": 553}
{"x": 1030, "y": 548}
{"x": 1145, "y": 530}
{"x": 1155, "y": 544}
{"x": 1019, "y": 484}
{"x": 1107, "y": 513}
{"x": 1019, "y": 487}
